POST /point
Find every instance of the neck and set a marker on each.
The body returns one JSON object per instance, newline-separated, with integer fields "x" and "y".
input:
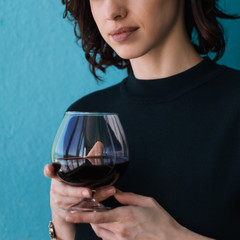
{"x": 170, "y": 57}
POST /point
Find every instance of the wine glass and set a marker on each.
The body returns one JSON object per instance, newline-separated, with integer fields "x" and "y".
{"x": 90, "y": 150}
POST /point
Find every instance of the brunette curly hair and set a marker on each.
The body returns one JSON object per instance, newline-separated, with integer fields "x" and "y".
{"x": 201, "y": 18}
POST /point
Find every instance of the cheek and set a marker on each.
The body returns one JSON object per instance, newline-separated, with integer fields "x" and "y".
{"x": 101, "y": 27}
{"x": 97, "y": 16}
{"x": 161, "y": 21}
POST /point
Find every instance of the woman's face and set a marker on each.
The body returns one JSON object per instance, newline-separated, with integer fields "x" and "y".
{"x": 134, "y": 28}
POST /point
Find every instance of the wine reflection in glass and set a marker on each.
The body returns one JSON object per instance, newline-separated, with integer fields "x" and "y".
{"x": 90, "y": 150}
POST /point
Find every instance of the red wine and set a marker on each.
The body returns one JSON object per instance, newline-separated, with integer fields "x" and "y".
{"x": 92, "y": 172}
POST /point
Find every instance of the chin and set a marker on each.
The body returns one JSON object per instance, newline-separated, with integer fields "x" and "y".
{"x": 131, "y": 54}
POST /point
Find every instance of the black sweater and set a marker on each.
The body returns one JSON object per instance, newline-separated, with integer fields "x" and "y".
{"x": 184, "y": 139}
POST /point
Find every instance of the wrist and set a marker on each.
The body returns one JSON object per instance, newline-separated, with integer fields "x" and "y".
{"x": 190, "y": 235}
{"x": 64, "y": 230}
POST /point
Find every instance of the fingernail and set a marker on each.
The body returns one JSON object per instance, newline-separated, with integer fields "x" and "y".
{"x": 110, "y": 191}
{"x": 69, "y": 218}
{"x": 86, "y": 193}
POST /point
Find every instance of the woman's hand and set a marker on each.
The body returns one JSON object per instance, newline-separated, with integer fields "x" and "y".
{"x": 142, "y": 219}
{"x": 63, "y": 195}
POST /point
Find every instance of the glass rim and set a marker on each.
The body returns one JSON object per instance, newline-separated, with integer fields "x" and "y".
{"x": 76, "y": 113}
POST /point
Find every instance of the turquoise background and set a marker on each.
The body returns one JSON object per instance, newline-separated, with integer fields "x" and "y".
{"x": 42, "y": 71}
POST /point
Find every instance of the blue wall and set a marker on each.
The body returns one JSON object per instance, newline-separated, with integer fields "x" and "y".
{"x": 42, "y": 71}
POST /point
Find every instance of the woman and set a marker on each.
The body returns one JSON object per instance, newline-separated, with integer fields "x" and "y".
{"x": 181, "y": 115}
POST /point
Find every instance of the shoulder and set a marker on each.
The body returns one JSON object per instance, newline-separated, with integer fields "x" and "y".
{"x": 92, "y": 101}
{"x": 226, "y": 81}
{"x": 231, "y": 77}
{"x": 228, "y": 88}
{"x": 230, "y": 83}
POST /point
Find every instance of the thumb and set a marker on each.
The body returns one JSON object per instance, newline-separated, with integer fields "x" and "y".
{"x": 49, "y": 171}
{"x": 97, "y": 150}
{"x": 128, "y": 198}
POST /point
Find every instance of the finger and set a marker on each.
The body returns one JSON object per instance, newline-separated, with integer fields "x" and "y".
{"x": 96, "y": 150}
{"x": 127, "y": 198}
{"x": 103, "y": 233}
{"x": 49, "y": 171}
{"x": 114, "y": 227}
{"x": 63, "y": 202}
{"x": 104, "y": 193}
{"x": 95, "y": 217}
{"x": 66, "y": 190}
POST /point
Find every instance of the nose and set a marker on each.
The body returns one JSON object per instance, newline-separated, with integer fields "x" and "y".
{"x": 115, "y": 9}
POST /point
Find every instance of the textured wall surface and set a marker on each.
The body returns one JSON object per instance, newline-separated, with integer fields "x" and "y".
{"x": 42, "y": 71}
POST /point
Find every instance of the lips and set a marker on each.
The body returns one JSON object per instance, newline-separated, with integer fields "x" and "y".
{"x": 122, "y": 30}
{"x": 123, "y": 33}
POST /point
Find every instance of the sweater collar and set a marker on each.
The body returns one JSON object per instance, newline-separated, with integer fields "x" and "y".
{"x": 166, "y": 89}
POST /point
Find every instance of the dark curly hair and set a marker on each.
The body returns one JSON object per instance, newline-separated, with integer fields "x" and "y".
{"x": 201, "y": 18}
